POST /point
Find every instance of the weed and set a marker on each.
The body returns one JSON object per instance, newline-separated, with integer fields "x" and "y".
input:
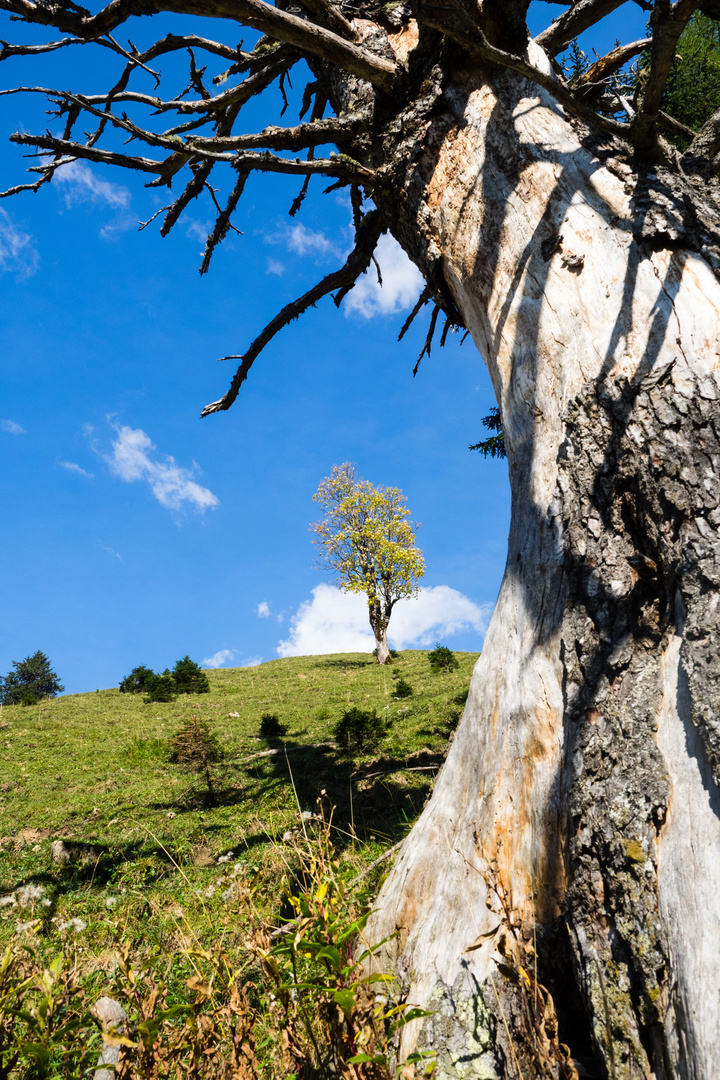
{"x": 149, "y": 749}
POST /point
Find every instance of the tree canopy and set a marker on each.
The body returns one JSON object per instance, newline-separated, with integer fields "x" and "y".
{"x": 369, "y": 543}
{"x": 32, "y": 679}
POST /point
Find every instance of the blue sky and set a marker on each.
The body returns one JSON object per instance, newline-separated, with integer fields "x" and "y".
{"x": 134, "y": 532}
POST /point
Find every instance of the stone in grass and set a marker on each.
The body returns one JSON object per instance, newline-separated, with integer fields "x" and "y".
{"x": 111, "y": 1015}
{"x": 63, "y": 852}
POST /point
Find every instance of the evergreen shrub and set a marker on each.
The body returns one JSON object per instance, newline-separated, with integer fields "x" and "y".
{"x": 32, "y": 680}
{"x": 403, "y": 689}
{"x": 190, "y": 678}
{"x": 442, "y": 659}
{"x": 270, "y": 727}
{"x": 359, "y": 730}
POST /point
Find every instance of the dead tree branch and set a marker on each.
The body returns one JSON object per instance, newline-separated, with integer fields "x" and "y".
{"x": 357, "y": 263}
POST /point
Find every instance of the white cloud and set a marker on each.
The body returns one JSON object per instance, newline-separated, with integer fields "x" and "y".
{"x": 263, "y": 610}
{"x": 223, "y": 656}
{"x": 171, "y": 484}
{"x": 112, "y": 551}
{"x": 335, "y": 621}
{"x": 71, "y": 466}
{"x": 11, "y": 428}
{"x": 435, "y": 613}
{"x": 81, "y": 184}
{"x": 198, "y": 230}
{"x": 119, "y": 224}
{"x": 305, "y": 241}
{"x": 402, "y": 283}
{"x": 219, "y": 658}
{"x": 18, "y": 255}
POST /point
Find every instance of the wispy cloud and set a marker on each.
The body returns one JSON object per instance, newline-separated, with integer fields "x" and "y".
{"x": 11, "y": 428}
{"x": 18, "y": 254}
{"x": 73, "y": 467}
{"x": 304, "y": 241}
{"x": 335, "y": 621}
{"x": 263, "y": 610}
{"x": 112, "y": 551}
{"x": 133, "y": 458}
{"x": 307, "y": 243}
{"x": 402, "y": 283}
{"x": 78, "y": 183}
{"x": 219, "y": 658}
{"x": 198, "y": 230}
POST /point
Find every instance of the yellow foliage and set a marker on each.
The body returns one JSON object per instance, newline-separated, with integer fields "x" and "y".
{"x": 368, "y": 540}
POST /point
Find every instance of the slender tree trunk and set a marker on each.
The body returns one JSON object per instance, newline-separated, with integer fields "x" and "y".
{"x": 572, "y": 843}
{"x": 380, "y": 630}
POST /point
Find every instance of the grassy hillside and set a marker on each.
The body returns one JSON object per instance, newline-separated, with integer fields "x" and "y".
{"x": 93, "y": 770}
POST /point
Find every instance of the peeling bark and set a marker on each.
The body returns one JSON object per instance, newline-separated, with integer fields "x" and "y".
{"x": 578, "y": 806}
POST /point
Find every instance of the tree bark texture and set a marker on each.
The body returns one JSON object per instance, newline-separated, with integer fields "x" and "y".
{"x": 571, "y": 848}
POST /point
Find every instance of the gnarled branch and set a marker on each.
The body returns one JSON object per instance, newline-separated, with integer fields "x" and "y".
{"x": 357, "y": 263}
{"x": 279, "y": 24}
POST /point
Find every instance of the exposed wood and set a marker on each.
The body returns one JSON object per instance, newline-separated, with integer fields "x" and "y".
{"x": 569, "y": 270}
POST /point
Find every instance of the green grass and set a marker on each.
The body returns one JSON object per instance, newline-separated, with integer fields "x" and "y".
{"x": 94, "y": 769}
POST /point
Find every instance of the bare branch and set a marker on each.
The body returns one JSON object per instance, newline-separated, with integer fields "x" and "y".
{"x": 176, "y": 42}
{"x": 28, "y": 50}
{"x": 610, "y": 63}
{"x": 668, "y": 22}
{"x": 325, "y": 10}
{"x": 701, "y": 153}
{"x": 222, "y": 222}
{"x": 567, "y": 26}
{"x": 333, "y": 130}
{"x": 343, "y": 279}
{"x": 428, "y": 340}
{"x": 669, "y": 123}
{"x": 279, "y": 24}
{"x": 421, "y": 302}
{"x": 235, "y": 95}
{"x": 73, "y": 150}
{"x": 482, "y": 49}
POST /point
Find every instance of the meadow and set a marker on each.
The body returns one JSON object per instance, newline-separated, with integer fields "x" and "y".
{"x": 156, "y": 868}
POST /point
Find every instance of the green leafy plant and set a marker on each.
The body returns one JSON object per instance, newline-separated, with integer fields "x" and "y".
{"x": 323, "y": 991}
{"x": 442, "y": 659}
{"x": 270, "y": 727}
{"x": 358, "y": 730}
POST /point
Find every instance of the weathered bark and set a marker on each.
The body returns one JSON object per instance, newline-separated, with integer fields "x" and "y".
{"x": 379, "y": 625}
{"x": 578, "y": 809}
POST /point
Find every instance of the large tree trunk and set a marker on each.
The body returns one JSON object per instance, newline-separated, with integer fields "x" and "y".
{"x": 578, "y": 811}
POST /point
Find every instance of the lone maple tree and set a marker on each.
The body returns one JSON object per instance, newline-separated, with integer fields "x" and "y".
{"x": 559, "y": 898}
{"x": 369, "y": 544}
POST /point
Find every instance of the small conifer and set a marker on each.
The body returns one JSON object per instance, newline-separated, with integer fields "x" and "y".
{"x": 190, "y": 678}
{"x": 32, "y": 680}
